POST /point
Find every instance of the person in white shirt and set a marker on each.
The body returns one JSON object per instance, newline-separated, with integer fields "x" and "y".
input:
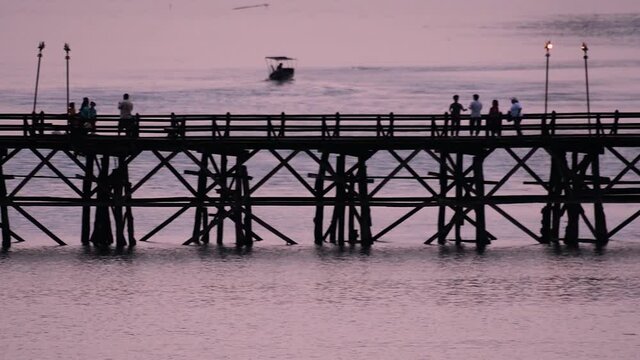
{"x": 126, "y": 119}
{"x": 475, "y": 119}
{"x": 515, "y": 113}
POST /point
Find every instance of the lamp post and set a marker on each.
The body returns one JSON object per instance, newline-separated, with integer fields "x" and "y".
{"x": 585, "y": 49}
{"x": 66, "y": 50}
{"x": 547, "y": 46}
{"x": 35, "y": 95}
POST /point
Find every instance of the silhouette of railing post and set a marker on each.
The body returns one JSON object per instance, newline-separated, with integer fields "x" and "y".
{"x": 283, "y": 118}
{"x": 270, "y": 131}
{"x": 445, "y": 127}
{"x": 227, "y": 125}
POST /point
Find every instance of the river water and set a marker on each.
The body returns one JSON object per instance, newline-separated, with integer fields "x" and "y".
{"x": 401, "y": 300}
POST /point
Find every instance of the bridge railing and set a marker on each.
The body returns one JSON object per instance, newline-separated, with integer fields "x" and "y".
{"x": 325, "y": 126}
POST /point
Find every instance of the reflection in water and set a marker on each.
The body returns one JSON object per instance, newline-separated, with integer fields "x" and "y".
{"x": 305, "y": 302}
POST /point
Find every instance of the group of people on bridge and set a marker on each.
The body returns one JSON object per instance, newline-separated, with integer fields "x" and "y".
{"x": 84, "y": 121}
{"x": 493, "y": 119}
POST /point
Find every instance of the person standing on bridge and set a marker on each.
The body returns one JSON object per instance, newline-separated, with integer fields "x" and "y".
{"x": 494, "y": 120}
{"x": 475, "y": 119}
{"x": 515, "y": 115}
{"x": 126, "y": 118}
{"x": 454, "y": 109}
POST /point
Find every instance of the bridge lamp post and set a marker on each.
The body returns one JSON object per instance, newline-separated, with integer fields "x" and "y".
{"x": 585, "y": 49}
{"x": 66, "y": 50}
{"x": 35, "y": 95}
{"x": 547, "y": 46}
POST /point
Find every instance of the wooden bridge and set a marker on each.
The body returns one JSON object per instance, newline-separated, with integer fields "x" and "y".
{"x": 448, "y": 173}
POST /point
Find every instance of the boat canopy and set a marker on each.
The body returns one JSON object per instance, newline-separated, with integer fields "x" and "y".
{"x": 278, "y": 58}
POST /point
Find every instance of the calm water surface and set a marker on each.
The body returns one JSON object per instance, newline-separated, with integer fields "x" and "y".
{"x": 159, "y": 301}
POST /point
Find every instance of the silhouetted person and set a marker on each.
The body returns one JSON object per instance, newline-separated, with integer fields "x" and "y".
{"x": 126, "y": 118}
{"x": 279, "y": 67}
{"x": 515, "y": 115}
{"x": 93, "y": 115}
{"x": 72, "y": 117}
{"x": 454, "y": 109}
{"x": 475, "y": 119}
{"x": 494, "y": 120}
{"x": 84, "y": 113}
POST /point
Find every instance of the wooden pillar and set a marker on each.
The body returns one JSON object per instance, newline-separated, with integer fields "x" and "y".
{"x": 365, "y": 211}
{"x": 4, "y": 209}
{"x": 86, "y": 197}
{"x": 341, "y": 180}
{"x": 481, "y": 234}
{"x": 550, "y": 212}
{"x": 442, "y": 209}
{"x": 223, "y": 198}
{"x": 237, "y": 210}
{"x": 556, "y": 183}
{"x": 600, "y": 219}
{"x": 102, "y": 236}
{"x": 573, "y": 208}
{"x": 353, "y": 233}
{"x": 199, "y": 225}
{"x": 128, "y": 210}
{"x": 117, "y": 181}
{"x": 318, "y": 220}
{"x": 459, "y": 182}
{"x": 246, "y": 203}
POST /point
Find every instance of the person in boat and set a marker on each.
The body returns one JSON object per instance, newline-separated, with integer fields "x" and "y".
{"x": 279, "y": 67}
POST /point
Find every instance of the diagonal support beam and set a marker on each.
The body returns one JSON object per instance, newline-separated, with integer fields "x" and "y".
{"x": 31, "y": 174}
{"x": 393, "y": 173}
{"x": 55, "y": 170}
{"x": 414, "y": 174}
{"x": 175, "y": 173}
{"x": 623, "y": 224}
{"x": 510, "y": 173}
{"x": 273, "y": 172}
{"x": 293, "y": 171}
{"x": 153, "y": 171}
{"x": 39, "y": 225}
{"x": 516, "y": 222}
{"x": 165, "y": 223}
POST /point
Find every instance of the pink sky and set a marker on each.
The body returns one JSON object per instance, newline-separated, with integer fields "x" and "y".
{"x": 130, "y": 34}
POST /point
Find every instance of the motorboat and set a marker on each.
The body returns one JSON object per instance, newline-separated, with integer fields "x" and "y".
{"x": 281, "y": 68}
